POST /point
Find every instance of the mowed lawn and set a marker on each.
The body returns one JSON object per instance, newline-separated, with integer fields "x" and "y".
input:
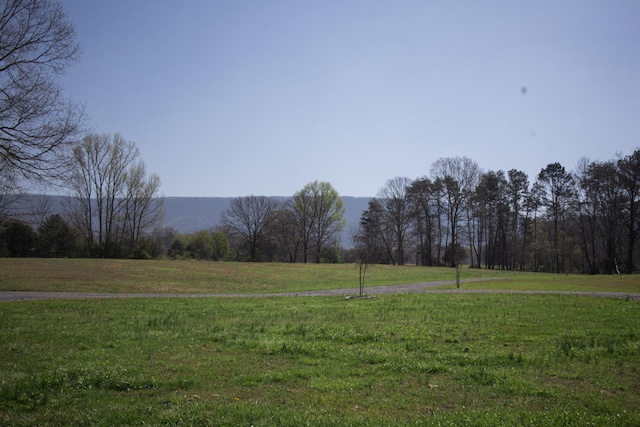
{"x": 414, "y": 359}
{"x": 167, "y": 276}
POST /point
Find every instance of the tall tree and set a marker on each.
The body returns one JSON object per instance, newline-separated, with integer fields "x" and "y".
{"x": 442, "y": 233}
{"x": 587, "y": 214}
{"x": 516, "y": 193}
{"x": 376, "y": 234}
{"x": 459, "y": 178}
{"x": 629, "y": 169}
{"x": 422, "y": 196}
{"x": 393, "y": 197}
{"x": 490, "y": 213}
{"x": 319, "y": 215}
{"x": 286, "y": 233}
{"x": 558, "y": 186}
{"x": 143, "y": 207}
{"x": 113, "y": 202}
{"x": 250, "y": 218}
{"x": 37, "y": 124}
{"x": 532, "y": 205}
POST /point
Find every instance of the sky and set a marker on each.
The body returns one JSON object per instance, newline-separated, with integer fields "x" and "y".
{"x": 230, "y": 98}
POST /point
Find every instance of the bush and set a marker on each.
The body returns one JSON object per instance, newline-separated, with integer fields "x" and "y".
{"x": 56, "y": 239}
{"x": 17, "y": 239}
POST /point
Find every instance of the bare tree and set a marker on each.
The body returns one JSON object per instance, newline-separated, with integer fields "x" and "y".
{"x": 517, "y": 190}
{"x": 558, "y": 195}
{"x": 286, "y": 233}
{"x": 250, "y": 218}
{"x": 41, "y": 209}
{"x": 143, "y": 207}
{"x": 397, "y": 214}
{"x": 423, "y": 200}
{"x": 458, "y": 177}
{"x": 37, "y": 124}
{"x": 112, "y": 200}
{"x": 532, "y": 204}
{"x": 319, "y": 215}
{"x": 376, "y": 232}
{"x": 363, "y": 251}
{"x": 629, "y": 170}
{"x": 9, "y": 192}
{"x": 491, "y": 218}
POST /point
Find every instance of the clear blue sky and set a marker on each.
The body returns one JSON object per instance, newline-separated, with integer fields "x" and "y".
{"x": 236, "y": 97}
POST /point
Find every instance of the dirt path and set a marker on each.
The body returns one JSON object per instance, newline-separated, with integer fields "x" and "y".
{"x": 8, "y": 296}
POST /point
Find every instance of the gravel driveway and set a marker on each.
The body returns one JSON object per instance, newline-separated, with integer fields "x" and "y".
{"x": 373, "y": 290}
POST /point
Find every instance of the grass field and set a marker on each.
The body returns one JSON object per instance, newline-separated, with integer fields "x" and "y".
{"x": 415, "y": 359}
{"x": 131, "y": 276}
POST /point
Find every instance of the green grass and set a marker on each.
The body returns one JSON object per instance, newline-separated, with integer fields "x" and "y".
{"x": 394, "y": 360}
{"x": 415, "y": 359}
{"x": 132, "y": 276}
{"x": 100, "y": 275}
{"x": 560, "y": 282}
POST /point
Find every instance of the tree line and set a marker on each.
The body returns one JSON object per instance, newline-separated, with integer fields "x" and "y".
{"x": 111, "y": 207}
{"x": 584, "y": 221}
{"x": 112, "y": 200}
{"x": 303, "y": 228}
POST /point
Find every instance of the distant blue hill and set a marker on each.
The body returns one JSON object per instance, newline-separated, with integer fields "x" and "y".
{"x": 188, "y": 214}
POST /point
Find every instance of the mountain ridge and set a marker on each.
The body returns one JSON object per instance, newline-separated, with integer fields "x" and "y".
{"x": 188, "y": 214}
